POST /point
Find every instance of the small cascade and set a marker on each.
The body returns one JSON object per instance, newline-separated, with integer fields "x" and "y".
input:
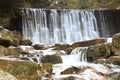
{"x": 77, "y": 55}
{"x": 80, "y": 54}
{"x": 59, "y": 26}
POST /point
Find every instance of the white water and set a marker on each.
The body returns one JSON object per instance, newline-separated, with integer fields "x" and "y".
{"x": 59, "y": 26}
{"x": 77, "y": 55}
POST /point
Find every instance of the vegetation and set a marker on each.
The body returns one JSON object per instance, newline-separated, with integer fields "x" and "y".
{"x": 11, "y": 8}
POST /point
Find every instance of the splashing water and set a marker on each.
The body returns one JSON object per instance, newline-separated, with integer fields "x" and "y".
{"x": 77, "y": 55}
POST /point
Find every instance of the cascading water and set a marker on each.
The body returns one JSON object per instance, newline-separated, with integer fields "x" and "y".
{"x": 103, "y": 24}
{"x": 77, "y": 55}
{"x": 59, "y": 26}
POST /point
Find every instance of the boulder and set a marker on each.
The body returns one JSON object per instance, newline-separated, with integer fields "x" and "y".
{"x": 114, "y": 60}
{"x": 6, "y": 76}
{"x": 68, "y": 50}
{"x": 26, "y": 49}
{"x": 71, "y": 70}
{"x": 61, "y": 46}
{"x": 14, "y": 51}
{"x": 25, "y": 42}
{"x": 100, "y": 61}
{"x": 114, "y": 76}
{"x": 24, "y": 70}
{"x": 99, "y": 51}
{"x": 88, "y": 42}
{"x": 51, "y": 59}
{"x": 6, "y": 37}
{"x": 111, "y": 60}
{"x": 116, "y": 44}
{"x": 39, "y": 47}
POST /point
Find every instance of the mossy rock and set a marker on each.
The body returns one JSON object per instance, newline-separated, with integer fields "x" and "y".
{"x": 99, "y": 51}
{"x": 14, "y": 51}
{"x": 51, "y": 59}
{"x": 88, "y": 43}
{"x": 39, "y": 47}
{"x": 25, "y": 42}
{"x": 61, "y": 47}
{"x": 116, "y": 44}
{"x": 23, "y": 70}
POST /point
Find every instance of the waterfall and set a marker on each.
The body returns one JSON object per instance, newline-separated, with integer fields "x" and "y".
{"x": 103, "y": 24}
{"x": 59, "y": 26}
{"x": 77, "y": 55}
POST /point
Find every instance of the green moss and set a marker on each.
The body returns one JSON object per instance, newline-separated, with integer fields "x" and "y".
{"x": 24, "y": 70}
{"x": 21, "y": 70}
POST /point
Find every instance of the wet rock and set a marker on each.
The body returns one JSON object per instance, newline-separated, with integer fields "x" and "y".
{"x": 15, "y": 51}
{"x": 99, "y": 51}
{"x": 116, "y": 44}
{"x": 71, "y": 70}
{"x": 47, "y": 67}
{"x": 68, "y": 50}
{"x": 51, "y": 59}
{"x": 6, "y": 37}
{"x": 23, "y": 70}
{"x": 100, "y": 61}
{"x": 114, "y": 60}
{"x": 26, "y": 49}
{"x": 6, "y": 76}
{"x": 89, "y": 42}
{"x": 66, "y": 47}
{"x": 25, "y": 42}
{"x": 71, "y": 78}
{"x": 114, "y": 76}
{"x": 61, "y": 47}
{"x": 39, "y": 47}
